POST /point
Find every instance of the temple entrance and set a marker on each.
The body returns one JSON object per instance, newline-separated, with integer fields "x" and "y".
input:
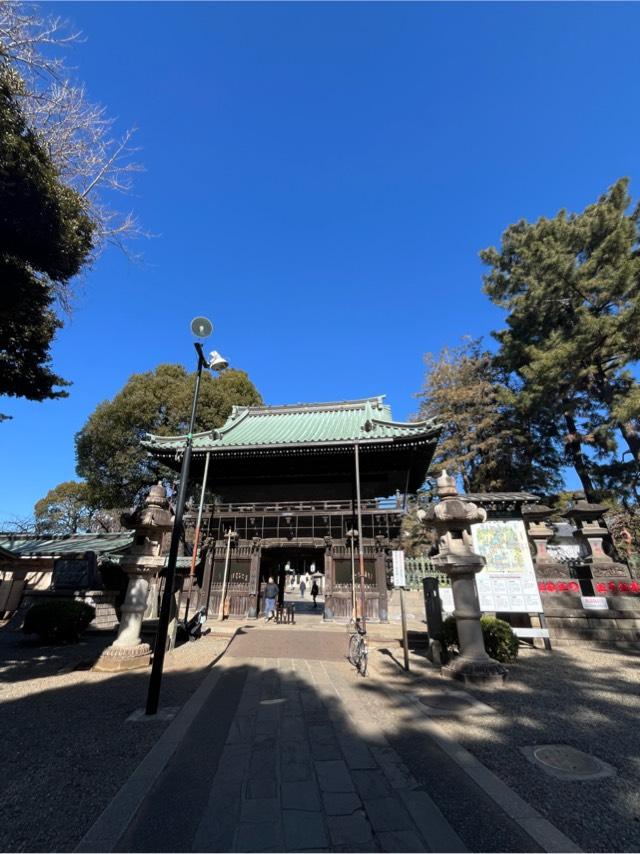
{"x": 295, "y": 570}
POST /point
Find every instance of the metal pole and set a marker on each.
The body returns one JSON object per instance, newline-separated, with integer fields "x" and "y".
{"x": 360, "y": 538}
{"x": 405, "y": 642}
{"x": 155, "y": 681}
{"x": 353, "y": 552}
{"x": 224, "y": 577}
{"x": 196, "y": 538}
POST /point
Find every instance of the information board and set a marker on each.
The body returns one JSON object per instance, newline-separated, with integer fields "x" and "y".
{"x": 399, "y": 579}
{"x": 508, "y": 581}
{"x": 71, "y": 574}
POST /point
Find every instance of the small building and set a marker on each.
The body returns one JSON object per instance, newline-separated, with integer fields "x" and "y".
{"x": 287, "y": 478}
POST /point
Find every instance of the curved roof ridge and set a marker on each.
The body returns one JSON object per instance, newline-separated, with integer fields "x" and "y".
{"x": 377, "y": 400}
{"x": 427, "y": 422}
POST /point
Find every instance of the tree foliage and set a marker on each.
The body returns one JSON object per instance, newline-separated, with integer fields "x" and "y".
{"x": 45, "y": 238}
{"x": 488, "y": 438}
{"x": 571, "y": 288}
{"x": 65, "y": 509}
{"x": 109, "y": 454}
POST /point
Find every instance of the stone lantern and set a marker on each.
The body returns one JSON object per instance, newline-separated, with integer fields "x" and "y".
{"x": 452, "y": 518}
{"x": 591, "y": 534}
{"x": 540, "y": 532}
{"x": 143, "y": 561}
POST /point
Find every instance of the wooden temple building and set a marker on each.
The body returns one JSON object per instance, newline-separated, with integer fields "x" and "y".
{"x": 285, "y": 483}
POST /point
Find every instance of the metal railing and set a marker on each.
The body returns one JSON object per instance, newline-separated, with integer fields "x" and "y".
{"x": 417, "y": 568}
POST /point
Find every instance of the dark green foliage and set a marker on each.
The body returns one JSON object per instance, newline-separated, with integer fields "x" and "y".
{"x": 571, "y": 289}
{"x": 61, "y": 621}
{"x": 118, "y": 470}
{"x": 499, "y": 639}
{"x": 45, "y": 239}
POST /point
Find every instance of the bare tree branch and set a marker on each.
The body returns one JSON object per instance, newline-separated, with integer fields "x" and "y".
{"x": 77, "y": 133}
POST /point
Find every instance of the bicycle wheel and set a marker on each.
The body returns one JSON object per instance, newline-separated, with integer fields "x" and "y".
{"x": 354, "y": 649}
{"x": 363, "y": 661}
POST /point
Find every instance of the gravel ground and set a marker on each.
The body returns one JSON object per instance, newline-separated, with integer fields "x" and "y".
{"x": 583, "y": 697}
{"x": 67, "y": 745}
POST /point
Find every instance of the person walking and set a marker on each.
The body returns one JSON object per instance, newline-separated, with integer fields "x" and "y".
{"x": 314, "y": 592}
{"x": 303, "y": 587}
{"x": 270, "y": 595}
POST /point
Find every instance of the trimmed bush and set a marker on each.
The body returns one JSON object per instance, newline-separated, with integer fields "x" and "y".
{"x": 499, "y": 639}
{"x": 58, "y": 621}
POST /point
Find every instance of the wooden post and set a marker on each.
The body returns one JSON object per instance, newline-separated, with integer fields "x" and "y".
{"x": 405, "y": 641}
{"x": 196, "y": 538}
{"x": 229, "y": 535}
{"x": 360, "y": 539}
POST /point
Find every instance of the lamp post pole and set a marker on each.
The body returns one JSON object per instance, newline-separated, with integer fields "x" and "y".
{"x": 360, "y": 539}
{"x": 153, "y": 695}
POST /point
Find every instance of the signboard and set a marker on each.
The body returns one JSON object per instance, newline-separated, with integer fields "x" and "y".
{"x": 399, "y": 579}
{"x": 594, "y": 603}
{"x": 71, "y": 574}
{"x": 508, "y": 581}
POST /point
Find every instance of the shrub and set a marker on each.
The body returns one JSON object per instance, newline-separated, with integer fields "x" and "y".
{"x": 499, "y": 639}
{"x": 58, "y": 621}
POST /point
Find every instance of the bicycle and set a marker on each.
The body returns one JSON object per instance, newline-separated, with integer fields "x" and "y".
{"x": 358, "y": 651}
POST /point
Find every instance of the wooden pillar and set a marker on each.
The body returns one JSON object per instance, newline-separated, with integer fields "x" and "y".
{"x": 329, "y": 580}
{"x": 381, "y": 584}
{"x": 254, "y": 579}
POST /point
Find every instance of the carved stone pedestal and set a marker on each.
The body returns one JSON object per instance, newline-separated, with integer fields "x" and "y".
{"x": 128, "y": 652}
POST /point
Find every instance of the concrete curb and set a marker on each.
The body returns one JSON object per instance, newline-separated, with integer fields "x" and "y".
{"x": 105, "y": 832}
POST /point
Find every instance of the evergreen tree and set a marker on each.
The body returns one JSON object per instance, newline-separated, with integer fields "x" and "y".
{"x": 109, "y": 454}
{"x": 571, "y": 287}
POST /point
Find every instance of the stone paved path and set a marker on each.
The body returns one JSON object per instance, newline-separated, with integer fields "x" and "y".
{"x": 300, "y": 769}
{"x": 285, "y": 641}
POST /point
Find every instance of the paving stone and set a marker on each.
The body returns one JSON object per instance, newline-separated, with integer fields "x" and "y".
{"x": 356, "y": 754}
{"x": 241, "y": 730}
{"x": 295, "y": 761}
{"x": 388, "y": 814}
{"x": 304, "y": 830}
{"x": 266, "y": 836}
{"x": 400, "y": 840}
{"x": 234, "y": 762}
{"x": 333, "y": 776}
{"x": 262, "y": 787}
{"x": 371, "y": 784}
{"x": 301, "y": 795}
{"x": 264, "y": 756}
{"x": 394, "y": 769}
{"x": 327, "y": 748}
{"x": 259, "y": 809}
{"x": 349, "y": 830}
{"x": 341, "y": 803}
{"x": 267, "y": 728}
{"x": 217, "y": 827}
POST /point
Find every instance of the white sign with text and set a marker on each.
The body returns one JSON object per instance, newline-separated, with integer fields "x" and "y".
{"x": 399, "y": 579}
{"x": 508, "y": 581}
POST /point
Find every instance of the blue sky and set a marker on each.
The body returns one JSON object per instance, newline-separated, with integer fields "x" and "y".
{"x": 320, "y": 178}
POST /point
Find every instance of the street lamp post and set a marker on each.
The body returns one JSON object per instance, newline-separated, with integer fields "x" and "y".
{"x": 201, "y": 327}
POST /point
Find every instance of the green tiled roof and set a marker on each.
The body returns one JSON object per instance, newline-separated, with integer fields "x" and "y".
{"x": 23, "y": 545}
{"x": 301, "y": 424}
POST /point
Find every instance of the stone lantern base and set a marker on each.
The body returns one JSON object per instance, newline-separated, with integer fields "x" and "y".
{"x": 117, "y": 658}
{"x": 474, "y": 671}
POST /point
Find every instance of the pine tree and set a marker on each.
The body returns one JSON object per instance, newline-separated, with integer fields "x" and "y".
{"x": 571, "y": 288}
